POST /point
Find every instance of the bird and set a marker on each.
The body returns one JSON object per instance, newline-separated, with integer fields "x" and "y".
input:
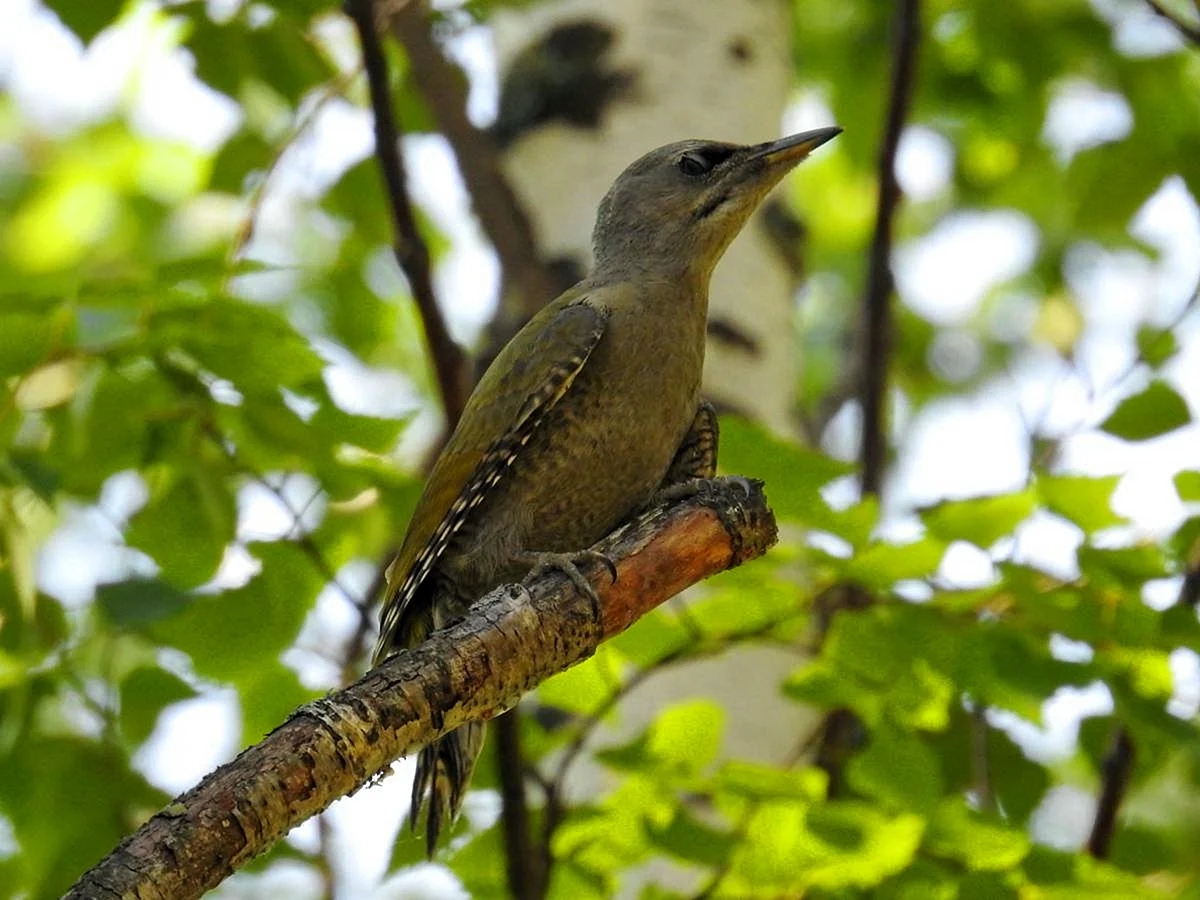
{"x": 589, "y": 414}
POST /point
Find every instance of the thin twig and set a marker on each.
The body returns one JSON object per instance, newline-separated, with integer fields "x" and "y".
{"x": 523, "y": 866}
{"x": 1118, "y": 767}
{"x": 449, "y": 362}
{"x": 981, "y": 764}
{"x": 500, "y": 213}
{"x": 1187, "y": 30}
{"x": 839, "y": 735}
{"x": 876, "y": 311}
{"x": 333, "y": 88}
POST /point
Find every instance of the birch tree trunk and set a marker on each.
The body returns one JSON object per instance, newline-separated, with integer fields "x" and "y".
{"x": 586, "y": 87}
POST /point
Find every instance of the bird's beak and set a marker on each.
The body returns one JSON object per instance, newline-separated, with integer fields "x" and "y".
{"x": 790, "y": 150}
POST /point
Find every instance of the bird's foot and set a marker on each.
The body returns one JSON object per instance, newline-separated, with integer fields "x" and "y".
{"x": 568, "y": 563}
{"x": 686, "y": 490}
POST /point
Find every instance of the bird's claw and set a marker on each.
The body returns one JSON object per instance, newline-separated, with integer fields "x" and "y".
{"x": 568, "y": 564}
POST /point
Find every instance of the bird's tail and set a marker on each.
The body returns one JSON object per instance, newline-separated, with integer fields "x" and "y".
{"x": 443, "y": 771}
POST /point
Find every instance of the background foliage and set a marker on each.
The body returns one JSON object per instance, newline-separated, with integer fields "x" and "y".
{"x": 182, "y": 394}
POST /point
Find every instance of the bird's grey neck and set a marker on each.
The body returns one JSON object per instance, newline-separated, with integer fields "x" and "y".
{"x": 674, "y": 266}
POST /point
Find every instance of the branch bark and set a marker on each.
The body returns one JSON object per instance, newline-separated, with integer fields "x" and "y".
{"x": 1118, "y": 764}
{"x": 842, "y": 730}
{"x": 1188, "y": 31}
{"x": 410, "y": 250}
{"x": 514, "y": 638}
{"x": 499, "y": 212}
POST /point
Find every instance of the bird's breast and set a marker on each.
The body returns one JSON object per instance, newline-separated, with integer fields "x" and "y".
{"x": 599, "y": 454}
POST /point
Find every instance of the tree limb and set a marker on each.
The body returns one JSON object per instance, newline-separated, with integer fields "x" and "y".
{"x": 1118, "y": 767}
{"x": 877, "y": 317}
{"x": 411, "y": 252}
{"x": 1188, "y": 31}
{"x": 1118, "y": 764}
{"x": 496, "y": 205}
{"x": 841, "y": 728}
{"x": 514, "y": 638}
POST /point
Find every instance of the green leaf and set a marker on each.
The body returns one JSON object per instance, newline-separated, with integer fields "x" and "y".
{"x": 186, "y": 528}
{"x": 691, "y": 840}
{"x": 898, "y": 769}
{"x": 1187, "y": 485}
{"x": 980, "y": 520}
{"x": 1084, "y": 500}
{"x": 957, "y": 833}
{"x": 793, "y": 475}
{"x": 142, "y": 600}
{"x": 1127, "y": 567}
{"x": 757, "y": 781}
{"x": 583, "y": 688}
{"x": 237, "y": 635}
{"x": 87, "y": 18}
{"x": 881, "y": 565}
{"x": 42, "y": 785}
{"x": 1156, "y": 345}
{"x": 25, "y": 341}
{"x": 1155, "y": 411}
{"x": 687, "y": 736}
{"x": 651, "y": 638}
{"x": 145, "y": 692}
{"x": 788, "y": 847}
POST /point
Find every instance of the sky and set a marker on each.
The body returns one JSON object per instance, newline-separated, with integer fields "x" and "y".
{"x": 957, "y": 447}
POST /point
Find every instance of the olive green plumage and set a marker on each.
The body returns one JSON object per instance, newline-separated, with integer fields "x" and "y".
{"x": 590, "y": 409}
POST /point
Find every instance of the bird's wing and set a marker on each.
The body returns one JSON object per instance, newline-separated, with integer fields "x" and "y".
{"x": 529, "y": 376}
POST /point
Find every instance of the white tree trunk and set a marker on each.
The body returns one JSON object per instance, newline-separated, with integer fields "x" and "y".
{"x": 717, "y": 69}
{"x": 635, "y": 74}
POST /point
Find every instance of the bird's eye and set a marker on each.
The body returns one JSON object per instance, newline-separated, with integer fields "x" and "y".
{"x": 693, "y": 165}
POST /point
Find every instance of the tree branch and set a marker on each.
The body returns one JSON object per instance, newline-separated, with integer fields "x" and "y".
{"x": 876, "y": 311}
{"x": 1188, "y": 31}
{"x": 496, "y": 205}
{"x": 839, "y": 734}
{"x": 524, "y": 866}
{"x": 513, "y": 639}
{"x": 411, "y": 252}
{"x": 1118, "y": 767}
{"x": 1118, "y": 764}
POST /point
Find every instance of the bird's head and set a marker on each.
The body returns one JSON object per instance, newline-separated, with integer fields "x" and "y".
{"x": 675, "y": 210}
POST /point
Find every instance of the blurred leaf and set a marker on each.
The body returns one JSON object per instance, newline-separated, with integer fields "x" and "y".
{"x": 1156, "y": 410}
{"x": 583, "y": 688}
{"x": 793, "y": 474}
{"x": 691, "y": 840}
{"x": 1187, "y": 485}
{"x": 838, "y": 845}
{"x": 87, "y": 18}
{"x": 145, "y": 693}
{"x": 882, "y": 565}
{"x": 687, "y": 735}
{"x": 238, "y": 634}
{"x": 142, "y": 600}
{"x": 758, "y": 781}
{"x": 957, "y": 833}
{"x": 980, "y": 520}
{"x": 25, "y": 341}
{"x": 187, "y": 528}
{"x": 1156, "y": 345}
{"x": 1084, "y": 500}
{"x": 898, "y": 769}
{"x": 41, "y": 783}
